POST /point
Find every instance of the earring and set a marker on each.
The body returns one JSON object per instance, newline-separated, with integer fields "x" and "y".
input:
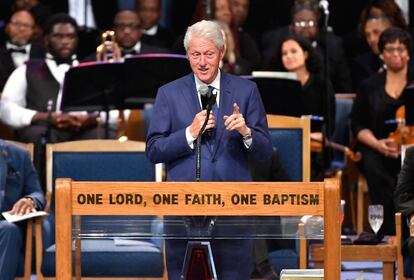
{"x": 381, "y": 57}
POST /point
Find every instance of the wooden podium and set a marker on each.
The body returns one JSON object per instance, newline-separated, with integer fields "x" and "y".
{"x": 261, "y": 199}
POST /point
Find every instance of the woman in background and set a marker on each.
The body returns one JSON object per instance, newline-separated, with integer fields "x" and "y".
{"x": 295, "y": 54}
{"x": 377, "y": 101}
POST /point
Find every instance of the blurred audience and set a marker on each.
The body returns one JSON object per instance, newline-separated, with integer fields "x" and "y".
{"x": 247, "y": 54}
{"x": 31, "y": 98}
{"x": 369, "y": 62}
{"x": 18, "y": 48}
{"x": 305, "y": 22}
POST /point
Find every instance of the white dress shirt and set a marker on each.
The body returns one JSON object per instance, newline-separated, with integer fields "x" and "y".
{"x": 405, "y": 9}
{"x": 151, "y": 31}
{"x": 77, "y": 11}
{"x": 13, "y": 109}
{"x": 19, "y": 58}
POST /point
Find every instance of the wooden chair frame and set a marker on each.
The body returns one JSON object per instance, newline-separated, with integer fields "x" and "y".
{"x": 286, "y": 122}
{"x": 29, "y": 227}
{"x": 98, "y": 145}
{"x": 278, "y": 121}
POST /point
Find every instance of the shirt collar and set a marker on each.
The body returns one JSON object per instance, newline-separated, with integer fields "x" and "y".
{"x": 215, "y": 83}
{"x": 10, "y": 45}
{"x": 151, "y": 31}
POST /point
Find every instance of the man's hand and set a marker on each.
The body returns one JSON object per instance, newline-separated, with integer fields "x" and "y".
{"x": 65, "y": 121}
{"x": 23, "y": 206}
{"x": 236, "y": 122}
{"x": 198, "y": 122}
{"x": 73, "y": 122}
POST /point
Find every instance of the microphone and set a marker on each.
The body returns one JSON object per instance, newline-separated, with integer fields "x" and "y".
{"x": 324, "y": 5}
{"x": 208, "y": 99}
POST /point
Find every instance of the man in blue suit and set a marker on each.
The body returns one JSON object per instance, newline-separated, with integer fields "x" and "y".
{"x": 20, "y": 193}
{"x": 238, "y": 129}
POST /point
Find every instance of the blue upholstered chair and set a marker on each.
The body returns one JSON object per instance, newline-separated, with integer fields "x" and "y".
{"x": 291, "y": 137}
{"x": 24, "y": 267}
{"x": 101, "y": 160}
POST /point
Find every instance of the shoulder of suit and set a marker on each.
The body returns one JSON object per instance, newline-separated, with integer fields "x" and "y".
{"x": 410, "y": 152}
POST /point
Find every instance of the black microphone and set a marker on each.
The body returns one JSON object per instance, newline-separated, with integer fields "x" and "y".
{"x": 208, "y": 99}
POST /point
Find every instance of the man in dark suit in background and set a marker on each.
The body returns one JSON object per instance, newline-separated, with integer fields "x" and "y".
{"x": 404, "y": 202}
{"x": 128, "y": 34}
{"x": 18, "y": 48}
{"x": 154, "y": 34}
{"x": 238, "y": 130}
{"x": 20, "y": 193}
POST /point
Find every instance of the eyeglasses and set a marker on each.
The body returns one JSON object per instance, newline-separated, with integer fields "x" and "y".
{"x": 59, "y": 36}
{"x": 21, "y": 25}
{"x": 123, "y": 26}
{"x": 305, "y": 23}
{"x": 391, "y": 50}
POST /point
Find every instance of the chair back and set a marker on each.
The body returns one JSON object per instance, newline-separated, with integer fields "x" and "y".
{"x": 96, "y": 160}
{"x": 342, "y": 132}
{"x": 291, "y": 136}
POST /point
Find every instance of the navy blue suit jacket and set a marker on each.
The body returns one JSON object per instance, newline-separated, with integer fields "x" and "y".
{"x": 18, "y": 178}
{"x": 175, "y": 107}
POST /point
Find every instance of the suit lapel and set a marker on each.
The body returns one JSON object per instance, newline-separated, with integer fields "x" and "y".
{"x": 189, "y": 93}
{"x": 225, "y": 108}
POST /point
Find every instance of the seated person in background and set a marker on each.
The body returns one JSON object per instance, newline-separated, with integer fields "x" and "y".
{"x": 369, "y": 63}
{"x": 20, "y": 193}
{"x": 40, "y": 12}
{"x": 404, "y": 202}
{"x": 18, "y": 48}
{"x": 296, "y": 55}
{"x": 128, "y": 34}
{"x": 33, "y": 86}
{"x": 154, "y": 34}
{"x": 27, "y": 92}
{"x": 377, "y": 101}
{"x": 305, "y": 19}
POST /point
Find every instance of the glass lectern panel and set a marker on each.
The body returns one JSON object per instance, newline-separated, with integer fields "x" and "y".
{"x": 199, "y": 227}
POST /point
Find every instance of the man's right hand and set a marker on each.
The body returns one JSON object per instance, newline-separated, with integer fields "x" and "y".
{"x": 199, "y": 121}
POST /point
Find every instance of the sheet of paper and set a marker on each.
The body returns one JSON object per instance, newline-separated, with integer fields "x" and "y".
{"x": 17, "y": 218}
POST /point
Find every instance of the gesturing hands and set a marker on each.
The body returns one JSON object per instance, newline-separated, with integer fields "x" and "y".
{"x": 236, "y": 122}
{"x": 233, "y": 122}
{"x": 198, "y": 122}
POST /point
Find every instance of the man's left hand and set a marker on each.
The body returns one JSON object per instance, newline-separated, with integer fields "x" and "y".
{"x": 23, "y": 206}
{"x": 236, "y": 122}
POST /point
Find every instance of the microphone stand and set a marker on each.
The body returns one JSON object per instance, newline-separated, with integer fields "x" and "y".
{"x": 211, "y": 101}
{"x": 326, "y": 129}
